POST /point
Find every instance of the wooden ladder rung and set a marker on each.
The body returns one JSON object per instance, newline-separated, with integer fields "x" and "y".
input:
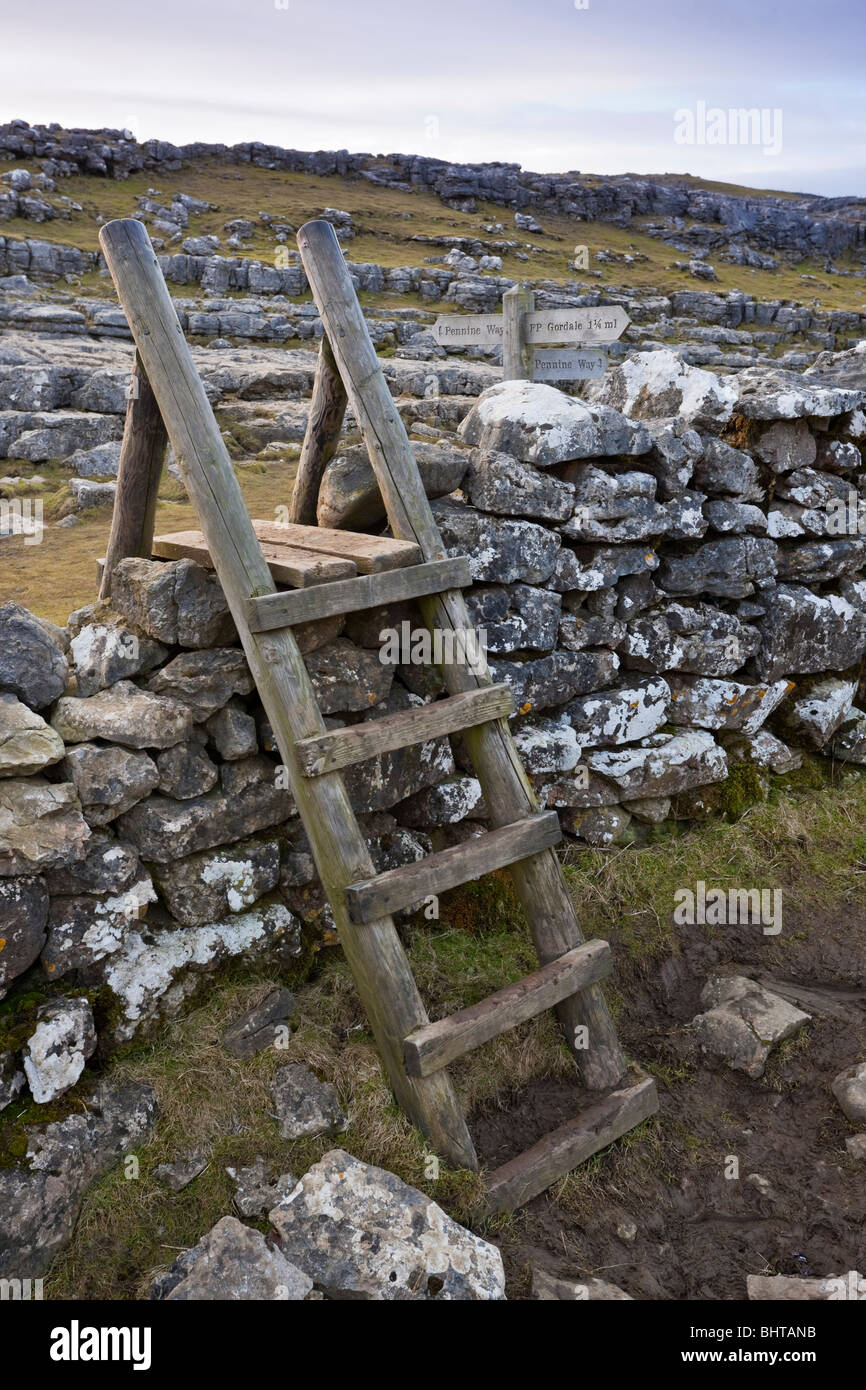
{"x": 345, "y": 747}
{"x": 436, "y": 1045}
{"x": 349, "y": 595}
{"x": 387, "y": 893}
{"x": 530, "y": 1173}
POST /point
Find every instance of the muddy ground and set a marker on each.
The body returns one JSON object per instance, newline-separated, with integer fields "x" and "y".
{"x": 656, "y": 1214}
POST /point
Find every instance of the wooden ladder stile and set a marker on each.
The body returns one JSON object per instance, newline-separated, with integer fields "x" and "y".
{"x": 331, "y": 573}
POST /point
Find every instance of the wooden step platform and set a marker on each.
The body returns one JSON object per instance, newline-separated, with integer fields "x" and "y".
{"x": 369, "y": 554}
{"x": 302, "y": 556}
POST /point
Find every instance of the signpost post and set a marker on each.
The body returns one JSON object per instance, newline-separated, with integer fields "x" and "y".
{"x": 520, "y": 326}
{"x": 518, "y": 304}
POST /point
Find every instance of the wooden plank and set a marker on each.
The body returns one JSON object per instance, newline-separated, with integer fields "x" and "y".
{"x": 387, "y": 893}
{"x": 327, "y": 409}
{"x": 142, "y": 455}
{"x": 375, "y": 954}
{"x": 532, "y": 1172}
{"x": 345, "y": 747}
{"x": 516, "y": 356}
{"x": 288, "y": 564}
{"x": 351, "y": 595}
{"x": 439, "y": 1044}
{"x": 539, "y": 881}
{"x": 370, "y": 554}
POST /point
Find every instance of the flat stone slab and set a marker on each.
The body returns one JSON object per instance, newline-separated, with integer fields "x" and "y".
{"x": 361, "y": 1232}
{"x": 744, "y": 1022}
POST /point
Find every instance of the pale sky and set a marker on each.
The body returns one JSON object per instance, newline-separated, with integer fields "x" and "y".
{"x": 541, "y": 83}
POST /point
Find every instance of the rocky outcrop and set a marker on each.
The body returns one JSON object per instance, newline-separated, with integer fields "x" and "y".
{"x": 794, "y": 227}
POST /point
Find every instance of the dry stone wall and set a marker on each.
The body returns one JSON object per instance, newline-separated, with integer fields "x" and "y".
{"x": 669, "y": 573}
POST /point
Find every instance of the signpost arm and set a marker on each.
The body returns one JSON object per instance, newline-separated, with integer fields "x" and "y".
{"x": 516, "y": 356}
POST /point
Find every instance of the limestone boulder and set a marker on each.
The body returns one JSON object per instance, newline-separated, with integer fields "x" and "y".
{"x": 658, "y": 385}
{"x": 538, "y": 424}
{"x": 58, "y": 1048}
{"x": 40, "y": 1198}
{"x": 33, "y": 663}
{"x": 207, "y": 886}
{"x": 109, "y": 780}
{"x": 175, "y": 602}
{"x": 124, "y": 714}
{"x": 155, "y": 970}
{"x": 27, "y": 743}
{"x": 41, "y": 826}
{"x": 232, "y": 1263}
{"x": 23, "y": 919}
{"x": 803, "y": 633}
{"x": 743, "y": 1022}
{"x": 204, "y": 681}
{"x": 660, "y": 765}
{"x": 500, "y": 551}
{"x": 500, "y": 484}
{"x": 83, "y": 929}
{"x": 163, "y": 830}
{"x": 106, "y": 652}
{"x": 360, "y": 1232}
{"x": 305, "y": 1105}
{"x": 349, "y": 496}
{"x": 623, "y": 715}
{"x": 849, "y": 1088}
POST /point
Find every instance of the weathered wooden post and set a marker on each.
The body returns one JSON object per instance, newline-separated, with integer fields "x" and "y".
{"x": 327, "y": 410}
{"x": 516, "y": 355}
{"x": 142, "y": 455}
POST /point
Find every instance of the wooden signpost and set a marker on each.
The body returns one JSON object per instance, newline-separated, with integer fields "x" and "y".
{"x": 520, "y": 326}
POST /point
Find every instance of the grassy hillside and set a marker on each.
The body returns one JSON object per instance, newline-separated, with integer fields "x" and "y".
{"x": 388, "y": 219}
{"x": 60, "y": 575}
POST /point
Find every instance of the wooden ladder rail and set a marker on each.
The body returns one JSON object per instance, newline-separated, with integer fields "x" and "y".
{"x": 327, "y": 409}
{"x": 381, "y": 970}
{"x": 142, "y": 455}
{"x": 538, "y": 880}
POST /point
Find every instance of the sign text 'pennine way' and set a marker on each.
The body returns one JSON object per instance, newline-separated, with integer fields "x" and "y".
{"x": 567, "y": 364}
{"x": 470, "y": 330}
